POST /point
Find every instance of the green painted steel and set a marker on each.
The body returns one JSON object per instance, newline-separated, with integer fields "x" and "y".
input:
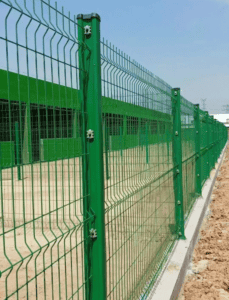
{"x": 139, "y": 195}
{"x": 198, "y": 156}
{"x": 177, "y": 162}
{"x": 42, "y": 226}
{"x": 85, "y": 218}
{"x": 89, "y": 60}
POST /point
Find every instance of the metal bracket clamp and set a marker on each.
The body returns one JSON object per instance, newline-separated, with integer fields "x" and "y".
{"x": 87, "y": 30}
{"x": 90, "y": 135}
{"x": 93, "y": 233}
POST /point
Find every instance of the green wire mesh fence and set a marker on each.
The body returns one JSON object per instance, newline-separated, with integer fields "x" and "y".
{"x": 139, "y": 195}
{"x": 42, "y": 224}
{"x": 100, "y": 160}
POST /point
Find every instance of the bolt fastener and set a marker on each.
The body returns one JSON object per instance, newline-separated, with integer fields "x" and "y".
{"x": 93, "y": 233}
{"x": 178, "y": 202}
{"x": 90, "y": 134}
{"x": 87, "y": 30}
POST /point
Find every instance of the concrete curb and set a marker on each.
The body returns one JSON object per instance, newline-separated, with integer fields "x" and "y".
{"x": 169, "y": 283}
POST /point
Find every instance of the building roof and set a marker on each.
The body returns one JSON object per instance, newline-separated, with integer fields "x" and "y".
{"x": 224, "y": 118}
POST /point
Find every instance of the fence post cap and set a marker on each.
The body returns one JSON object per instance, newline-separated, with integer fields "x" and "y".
{"x": 88, "y": 16}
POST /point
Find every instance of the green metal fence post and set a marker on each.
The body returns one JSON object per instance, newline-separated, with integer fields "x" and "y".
{"x": 90, "y": 63}
{"x": 18, "y": 148}
{"x": 208, "y": 144}
{"x": 177, "y": 162}
{"x": 197, "y": 149}
{"x": 217, "y": 141}
{"x": 212, "y": 141}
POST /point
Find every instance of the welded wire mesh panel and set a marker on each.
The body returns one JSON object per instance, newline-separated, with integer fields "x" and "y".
{"x": 139, "y": 192}
{"x": 188, "y": 154}
{"x": 41, "y": 212}
{"x": 45, "y": 171}
{"x": 125, "y": 80}
{"x": 204, "y": 147}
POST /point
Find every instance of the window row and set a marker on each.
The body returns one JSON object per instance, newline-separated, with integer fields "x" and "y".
{"x": 53, "y": 122}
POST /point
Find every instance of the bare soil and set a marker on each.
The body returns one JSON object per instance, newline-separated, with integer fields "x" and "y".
{"x": 208, "y": 277}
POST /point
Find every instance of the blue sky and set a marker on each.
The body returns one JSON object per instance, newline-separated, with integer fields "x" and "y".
{"x": 185, "y": 42}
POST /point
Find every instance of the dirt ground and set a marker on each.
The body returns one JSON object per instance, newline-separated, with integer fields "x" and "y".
{"x": 208, "y": 275}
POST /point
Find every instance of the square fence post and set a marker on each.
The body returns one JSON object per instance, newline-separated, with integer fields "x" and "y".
{"x": 214, "y": 138}
{"x": 208, "y": 143}
{"x": 177, "y": 163}
{"x": 93, "y": 173}
{"x": 197, "y": 149}
{"x": 212, "y": 142}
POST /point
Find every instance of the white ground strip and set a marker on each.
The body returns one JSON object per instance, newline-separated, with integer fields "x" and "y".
{"x": 169, "y": 283}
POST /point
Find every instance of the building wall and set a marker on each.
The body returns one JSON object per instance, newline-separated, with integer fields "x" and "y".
{"x": 49, "y": 121}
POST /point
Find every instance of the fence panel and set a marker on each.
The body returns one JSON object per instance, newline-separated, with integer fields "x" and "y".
{"x": 189, "y": 154}
{"x": 139, "y": 193}
{"x": 42, "y": 237}
{"x": 98, "y": 172}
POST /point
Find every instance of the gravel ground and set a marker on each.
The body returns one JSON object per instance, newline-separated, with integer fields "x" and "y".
{"x": 208, "y": 274}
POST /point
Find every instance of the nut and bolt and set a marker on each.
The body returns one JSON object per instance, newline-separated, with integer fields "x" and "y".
{"x": 93, "y": 233}
{"x": 90, "y": 134}
{"x": 87, "y": 30}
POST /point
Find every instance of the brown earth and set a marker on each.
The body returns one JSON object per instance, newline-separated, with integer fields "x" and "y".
{"x": 209, "y": 278}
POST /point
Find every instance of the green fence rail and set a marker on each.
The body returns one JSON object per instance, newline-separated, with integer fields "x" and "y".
{"x": 101, "y": 161}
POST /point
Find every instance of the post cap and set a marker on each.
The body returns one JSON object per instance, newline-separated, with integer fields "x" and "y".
{"x": 88, "y": 16}
{"x": 176, "y": 89}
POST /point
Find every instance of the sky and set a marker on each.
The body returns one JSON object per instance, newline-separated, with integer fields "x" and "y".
{"x": 185, "y": 42}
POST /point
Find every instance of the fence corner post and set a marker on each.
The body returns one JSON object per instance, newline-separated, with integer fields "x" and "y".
{"x": 197, "y": 149}
{"x": 93, "y": 172}
{"x": 177, "y": 163}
